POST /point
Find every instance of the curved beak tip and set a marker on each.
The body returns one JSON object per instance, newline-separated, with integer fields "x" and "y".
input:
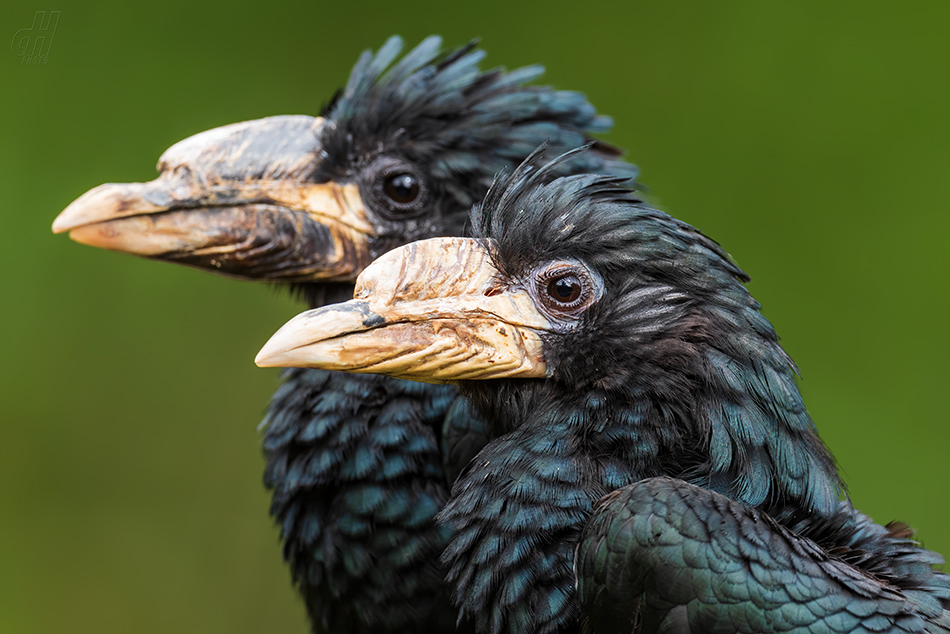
{"x": 283, "y": 349}
{"x": 269, "y": 355}
{"x": 78, "y": 212}
{"x": 65, "y": 220}
{"x": 105, "y": 202}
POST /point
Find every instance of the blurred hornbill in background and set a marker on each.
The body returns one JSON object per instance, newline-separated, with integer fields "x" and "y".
{"x": 354, "y": 462}
{"x": 618, "y": 356}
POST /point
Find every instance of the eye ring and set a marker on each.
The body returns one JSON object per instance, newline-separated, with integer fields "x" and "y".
{"x": 566, "y": 289}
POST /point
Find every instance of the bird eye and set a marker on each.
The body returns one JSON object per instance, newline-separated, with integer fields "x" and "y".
{"x": 395, "y": 188}
{"x": 401, "y": 188}
{"x": 565, "y": 289}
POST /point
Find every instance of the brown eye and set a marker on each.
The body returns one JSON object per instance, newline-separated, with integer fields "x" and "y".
{"x": 401, "y": 188}
{"x": 565, "y": 289}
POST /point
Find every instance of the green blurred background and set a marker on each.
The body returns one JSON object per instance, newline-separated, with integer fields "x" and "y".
{"x": 811, "y": 139}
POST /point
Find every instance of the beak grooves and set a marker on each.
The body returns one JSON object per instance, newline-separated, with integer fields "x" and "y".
{"x": 239, "y": 200}
{"x": 431, "y": 311}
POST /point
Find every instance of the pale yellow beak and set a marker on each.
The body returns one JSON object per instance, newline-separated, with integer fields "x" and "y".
{"x": 239, "y": 199}
{"x": 435, "y": 311}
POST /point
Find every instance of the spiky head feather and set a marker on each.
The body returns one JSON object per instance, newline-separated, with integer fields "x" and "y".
{"x": 676, "y": 337}
{"x": 464, "y": 124}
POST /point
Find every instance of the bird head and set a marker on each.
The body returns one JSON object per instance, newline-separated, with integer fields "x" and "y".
{"x": 399, "y": 154}
{"x": 573, "y": 295}
{"x": 580, "y": 270}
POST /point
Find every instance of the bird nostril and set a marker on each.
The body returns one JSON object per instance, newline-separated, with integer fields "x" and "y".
{"x": 492, "y": 291}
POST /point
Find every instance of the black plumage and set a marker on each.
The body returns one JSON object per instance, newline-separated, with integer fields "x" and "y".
{"x": 662, "y": 555}
{"x": 360, "y": 457}
{"x": 675, "y": 373}
{"x": 358, "y": 466}
{"x": 627, "y": 358}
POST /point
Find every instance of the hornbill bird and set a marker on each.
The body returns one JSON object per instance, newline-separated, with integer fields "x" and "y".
{"x": 402, "y": 152}
{"x": 645, "y": 420}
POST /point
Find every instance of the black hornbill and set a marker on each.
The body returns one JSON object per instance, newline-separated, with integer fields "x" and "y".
{"x": 401, "y": 153}
{"x": 619, "y": 357}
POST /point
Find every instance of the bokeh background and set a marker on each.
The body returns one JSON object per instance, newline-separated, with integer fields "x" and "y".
{"x": 811, "y": 139}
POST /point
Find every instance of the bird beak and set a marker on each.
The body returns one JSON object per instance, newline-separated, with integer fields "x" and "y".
{"x": 436, "y": 311}
{"x": 239, "y": 200}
